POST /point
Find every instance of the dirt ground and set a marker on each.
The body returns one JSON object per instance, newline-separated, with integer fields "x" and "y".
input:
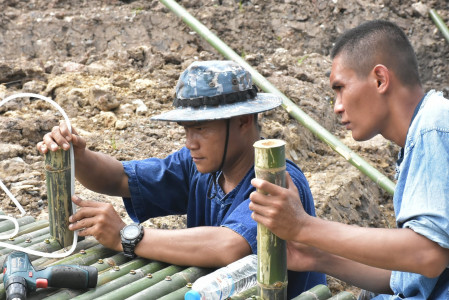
{"x": 111, "y": 65}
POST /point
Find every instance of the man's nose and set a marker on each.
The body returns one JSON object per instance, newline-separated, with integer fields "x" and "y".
{"x": 191, "y": 142}
{"x": 338, "y": 106}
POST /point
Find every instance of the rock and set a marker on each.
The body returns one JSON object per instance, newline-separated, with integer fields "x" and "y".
{"x": 10, "y": 150}
{"x": 421, "y": 9}
{"x": 102, "y": 99}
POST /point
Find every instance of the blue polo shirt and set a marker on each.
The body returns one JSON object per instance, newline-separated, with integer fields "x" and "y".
{"x": 173, "y": 185}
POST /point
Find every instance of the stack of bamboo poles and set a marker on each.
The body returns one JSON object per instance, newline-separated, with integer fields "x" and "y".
{"x": 118, "y": 277}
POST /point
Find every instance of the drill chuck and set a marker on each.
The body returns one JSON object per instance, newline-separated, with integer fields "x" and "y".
{"x": 16, "y": 288}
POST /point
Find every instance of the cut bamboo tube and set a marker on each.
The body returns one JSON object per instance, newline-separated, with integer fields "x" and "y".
{"x": 318, "y": 292}
{"x": 269, "y": 164}
{"x": 58, "y": 173}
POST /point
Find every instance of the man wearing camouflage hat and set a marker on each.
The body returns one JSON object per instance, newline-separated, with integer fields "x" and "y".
{"x": 209, "y": 179}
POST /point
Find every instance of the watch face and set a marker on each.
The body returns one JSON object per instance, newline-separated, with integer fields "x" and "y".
{"x": 131, "y": 232}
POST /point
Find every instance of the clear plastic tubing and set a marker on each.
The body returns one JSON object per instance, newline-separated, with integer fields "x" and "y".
{"x": 22, "y": 211}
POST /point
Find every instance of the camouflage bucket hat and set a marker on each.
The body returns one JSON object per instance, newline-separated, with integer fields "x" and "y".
{"x": 212, "y": 90}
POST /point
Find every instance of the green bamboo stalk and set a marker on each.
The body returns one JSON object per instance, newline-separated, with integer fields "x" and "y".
{"x": 25, "y": 243}
{"x": 5, "y": 226}
{"x": 110, "y": 262}
{"x": 439, "y": 23}
{"x": 86, "y": 257}
{"x": 176, "y": 295}
{"x": 318, "y": 292}
{"x": 58, "y": 174}
{"x": 27, "y": 228}
{"x": 171, "y": 284}
{"x": 102, "y": 265}
{"x": 269, "y": 164}
{"x": 249, "y": 293}
{"x": 139, "y": 285}
{"x": 343, "y": 296}
{"x": 287, "y": 104}
{"x": 41, "y": 262}
{"x": 110, "y": 290}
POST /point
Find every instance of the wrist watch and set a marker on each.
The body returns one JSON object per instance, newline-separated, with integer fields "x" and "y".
{"x": 131, "y": 235}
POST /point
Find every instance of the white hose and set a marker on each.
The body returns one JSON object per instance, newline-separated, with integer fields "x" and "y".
{"x": 72, "y": 188}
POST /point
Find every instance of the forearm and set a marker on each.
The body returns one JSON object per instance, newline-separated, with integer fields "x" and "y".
{"x": 200, "y": 246}
{"x": 365, "y": 277}
{"x": 391, "y": 249}
{"x": 101, "y": 173}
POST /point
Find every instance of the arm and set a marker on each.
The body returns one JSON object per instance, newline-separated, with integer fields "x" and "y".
{"x": 200, "y": 246}
{"x": 96, "y": 171}
{"x": 387, "y": 249}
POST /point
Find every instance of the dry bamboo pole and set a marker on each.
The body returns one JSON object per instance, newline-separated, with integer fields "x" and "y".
{"x": 318, "y": 292}
{"x": 171, "y": 284}
{"x": 58, "y": 174}
{"x": 269, "y": 164}
{"x": 113, "y": 288}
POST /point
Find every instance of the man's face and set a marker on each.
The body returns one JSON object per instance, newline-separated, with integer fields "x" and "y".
{"x": 206, "y": 140}
{"x": 356, "y": 101}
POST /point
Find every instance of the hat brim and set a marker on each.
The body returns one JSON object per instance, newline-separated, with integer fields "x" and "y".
{"x": 262, "y": 102}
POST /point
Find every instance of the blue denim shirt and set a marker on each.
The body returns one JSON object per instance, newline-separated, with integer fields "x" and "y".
{"x": 421, "y": 198}
{"x": 161, "y": 187}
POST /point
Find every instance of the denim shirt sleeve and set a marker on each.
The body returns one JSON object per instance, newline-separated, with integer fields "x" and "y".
{"x": 422, "y": 194}
{"x": 151, "y": 183}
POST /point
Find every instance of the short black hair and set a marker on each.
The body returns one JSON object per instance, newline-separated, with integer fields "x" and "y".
{"x": 378, "y": 42}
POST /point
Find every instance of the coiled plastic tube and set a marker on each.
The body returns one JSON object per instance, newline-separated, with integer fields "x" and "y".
{"x": 10, "y": 195}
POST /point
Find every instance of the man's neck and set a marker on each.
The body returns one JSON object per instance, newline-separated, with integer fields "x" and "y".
{"x": 404, "y": 103}
{"x": 234, "y": 172}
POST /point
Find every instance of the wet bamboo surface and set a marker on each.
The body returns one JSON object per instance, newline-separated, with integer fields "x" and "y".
{"x": 118, "y": 277}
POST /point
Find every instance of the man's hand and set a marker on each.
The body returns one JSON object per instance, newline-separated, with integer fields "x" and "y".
{"x": 60, "y": 136}
{"x": 281, "y": 210}
{"x": 99, "y": 220}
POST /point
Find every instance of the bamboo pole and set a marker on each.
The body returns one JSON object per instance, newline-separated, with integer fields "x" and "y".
{"x": 318, "y": 292}
{"x": 6, "y": 226}
{"x": 171, "y": 284}
{"x": 176, "y": 295}
{"x": 439, "y": 23}
{"x": 102, "y": 265}
{"x": 269, "y": 164}
{"x": 151, "y": 278}
{"x": 246, "y": 294}
{"x": 58, "y": 173}
{"x": 289, "y": 106}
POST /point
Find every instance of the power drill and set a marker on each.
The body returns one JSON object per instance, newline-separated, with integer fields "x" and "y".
{"x": 20, "y": 278}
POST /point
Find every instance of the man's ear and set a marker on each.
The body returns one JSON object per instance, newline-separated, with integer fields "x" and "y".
{"x": 245, "y": 121}
{"x": 382, "y": 77}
